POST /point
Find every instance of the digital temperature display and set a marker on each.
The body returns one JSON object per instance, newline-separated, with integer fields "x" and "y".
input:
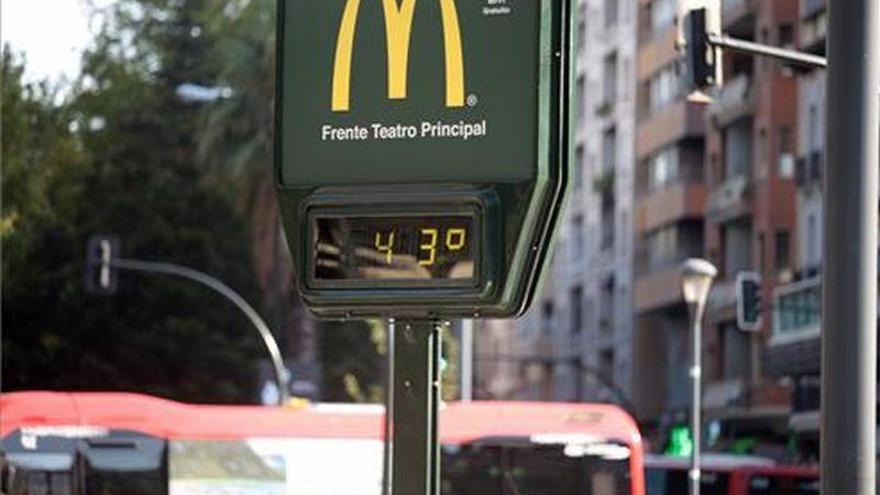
{"x": 402, "y": 248}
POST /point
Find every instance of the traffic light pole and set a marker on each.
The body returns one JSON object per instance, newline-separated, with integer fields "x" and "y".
{"x": 415, "y": 409}
{"x": 281, "y": 375}
{"x": 849, "y": 301}
{"x": 752, "y": 48}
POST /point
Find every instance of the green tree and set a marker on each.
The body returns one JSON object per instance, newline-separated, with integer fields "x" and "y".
{"x": 117, "y": 156}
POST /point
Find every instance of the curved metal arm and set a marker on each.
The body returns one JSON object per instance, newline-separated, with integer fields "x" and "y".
{"x": 609, "y": 384}
{"x": 226, "y": 291}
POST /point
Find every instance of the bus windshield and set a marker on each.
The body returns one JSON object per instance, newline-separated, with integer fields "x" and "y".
{"x": 532, "y": 469}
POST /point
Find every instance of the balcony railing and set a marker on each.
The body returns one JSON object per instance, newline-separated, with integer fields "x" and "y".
{"x": 796, "y": 310}
{"x": 735, "y": 99}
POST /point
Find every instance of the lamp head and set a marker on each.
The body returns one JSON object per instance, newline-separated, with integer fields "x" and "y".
{"x": 696, "y": 280}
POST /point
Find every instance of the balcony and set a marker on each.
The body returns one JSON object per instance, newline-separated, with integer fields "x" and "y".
{"x": 731, "y": 200}
{"x": 723, "y": 394}
{"x": 678, "y": 201}
{"x": 678, "y": 120}
{"x": 658, "y": 282}
{"x": 659, "y": 289}
{"x": 735, "y": 101}
{"x": 809, "y": 169}
{"x": 738, "y": 17}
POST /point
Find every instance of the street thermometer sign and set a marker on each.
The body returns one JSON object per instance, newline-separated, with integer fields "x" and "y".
{"x": 421, "y": 152}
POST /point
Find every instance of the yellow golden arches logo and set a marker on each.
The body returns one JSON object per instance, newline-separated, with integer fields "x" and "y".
{"x": 398, "y": 27}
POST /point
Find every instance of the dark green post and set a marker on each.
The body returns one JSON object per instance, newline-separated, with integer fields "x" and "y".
{"x": 415, "y": 409}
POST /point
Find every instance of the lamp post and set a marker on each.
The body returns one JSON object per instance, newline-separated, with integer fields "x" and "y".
{"x": 696, "y": 280}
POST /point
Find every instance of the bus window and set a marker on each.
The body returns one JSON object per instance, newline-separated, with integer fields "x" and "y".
{"x": 531, "y": 468}
{"x": 127, "y": 464}
{"x": 665, "y": 481}
{"x": 470, "y": 470}
{"x": 783, "y": 485}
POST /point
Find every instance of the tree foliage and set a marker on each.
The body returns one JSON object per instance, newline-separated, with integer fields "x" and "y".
{"x": 165, "y": 140}
{"x": 118, "y": 156}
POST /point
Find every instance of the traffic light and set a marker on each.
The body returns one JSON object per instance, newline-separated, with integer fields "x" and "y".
{"x": 100, "y": 275}
{"x": 702, "y": 68}
{"x": 748, "y": 301}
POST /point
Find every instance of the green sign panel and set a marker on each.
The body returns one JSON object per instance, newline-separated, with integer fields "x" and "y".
{"x": 421, "y": 151}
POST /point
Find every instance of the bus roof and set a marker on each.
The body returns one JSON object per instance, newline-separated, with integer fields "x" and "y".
{"x": 460, "y": 422}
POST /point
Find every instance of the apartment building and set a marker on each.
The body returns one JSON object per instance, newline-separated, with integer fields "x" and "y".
{"x": 575, "y": 343}
{"x": 793, "y": 352}
{"x": 670, "y": 198}
{"x": 751, "y": 142}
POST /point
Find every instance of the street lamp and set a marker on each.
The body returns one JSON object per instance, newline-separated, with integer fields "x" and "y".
{"x": 696, "y": 280}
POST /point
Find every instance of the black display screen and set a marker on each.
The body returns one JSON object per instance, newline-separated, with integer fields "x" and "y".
{"x": 400, "y": 248}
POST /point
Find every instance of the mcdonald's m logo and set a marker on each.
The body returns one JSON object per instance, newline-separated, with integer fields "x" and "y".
{"x": 398, "y": 27}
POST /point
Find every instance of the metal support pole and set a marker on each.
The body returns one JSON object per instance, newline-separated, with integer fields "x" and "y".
{"x": 849, "y": 301}
{"x": 416, "y": 447}
{"x": 467, "y": 360}
{"x": 389, "y": 408}
{"x": 281, "y": 375}
{"x": 696, "y": 374}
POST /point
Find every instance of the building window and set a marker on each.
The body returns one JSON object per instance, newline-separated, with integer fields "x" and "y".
{"x": 579, "y": 168}
{"x": 813, "y": 128}
{"x": 579, "y": 98}
{"x": 609, "y": 149}
{"x": 664, "y": 87}
{"x": 581, "y": 33}
{"x": 606, "y": 304}
{"x": 609, "y": 69}
{"x": 547, "y": 317}
{"x": 577, "y": 227}
{"x": 606, "y": 364}
{"x": 662, "y": 247}
{"x": 782, "y": 250}
{"x": 607, "y": 233}
{"x": 610, "y": 13}
{"x": 577, "y": 310}
{"x": 786, "y": 35}
{"x": 663, "y": 168}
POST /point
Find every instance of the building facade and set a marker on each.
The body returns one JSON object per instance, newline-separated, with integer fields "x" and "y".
{"x": 793, "y": 352}
{"x": 575, "y": 343}
{"x": 751, "y": 141}
{"x": 670, "y": 198}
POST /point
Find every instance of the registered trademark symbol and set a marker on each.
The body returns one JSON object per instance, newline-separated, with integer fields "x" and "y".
{"x": 472, "y": 100}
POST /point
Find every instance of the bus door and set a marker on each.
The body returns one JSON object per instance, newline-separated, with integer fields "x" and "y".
{"x": 36, "y": 464}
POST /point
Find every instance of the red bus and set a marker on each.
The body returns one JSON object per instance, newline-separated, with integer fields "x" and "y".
{"x": 108, "y": 443}
{"x": 730, "y": 475}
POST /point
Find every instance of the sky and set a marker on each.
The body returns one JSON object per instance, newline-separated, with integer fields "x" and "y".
{"x": 51, "y": 33}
